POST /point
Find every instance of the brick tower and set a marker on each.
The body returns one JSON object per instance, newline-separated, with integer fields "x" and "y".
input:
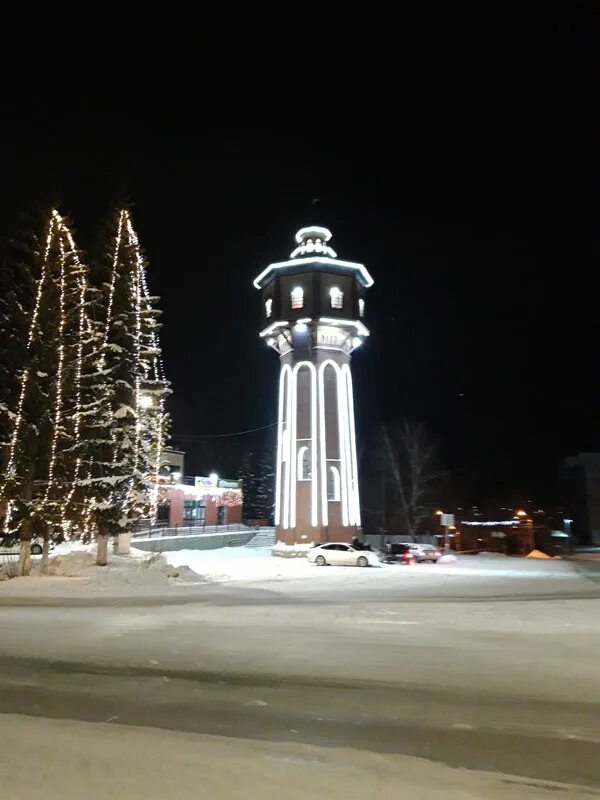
{"x": 313, "y": 307}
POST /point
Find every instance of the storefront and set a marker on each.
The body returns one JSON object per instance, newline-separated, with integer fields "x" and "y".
{"x": 208, "y": 501}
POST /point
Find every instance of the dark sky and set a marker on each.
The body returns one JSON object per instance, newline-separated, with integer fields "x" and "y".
{"x": 451, "y": 149}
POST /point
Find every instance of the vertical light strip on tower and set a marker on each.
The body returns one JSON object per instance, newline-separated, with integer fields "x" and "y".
{"x": 292, "y": 428}
{"x": 314, "y": 487}
{"x": 350, "y": 392}
{"x": 286, "y": 453}
{"x": 279, "y": 447}
{"x": 348, "y": 447}
{"x": 342, "y": 426}
{"x": 323, "y": 444}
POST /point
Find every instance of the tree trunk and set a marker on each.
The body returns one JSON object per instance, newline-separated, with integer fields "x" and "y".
{"x": 101, "y": 548}
{"x": 45, "y": 550}
{"x": 24, "y": 566}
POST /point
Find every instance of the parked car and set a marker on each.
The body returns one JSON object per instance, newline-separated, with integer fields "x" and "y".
{"x": 425, "y": 552}
{"x": 399, "y": 553}
{"x": 341, "y": 553}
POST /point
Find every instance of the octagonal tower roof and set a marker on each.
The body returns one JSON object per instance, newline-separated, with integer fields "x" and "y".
{"x": 313, "y": 250}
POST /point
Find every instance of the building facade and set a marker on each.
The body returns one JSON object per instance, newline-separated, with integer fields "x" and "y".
{"x": 581, "y": 495}
{"x": 195, "y": 501}
{"x": 313, "y": 308}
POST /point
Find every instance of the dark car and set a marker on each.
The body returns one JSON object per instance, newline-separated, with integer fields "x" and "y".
{"x": 397, "y": 553}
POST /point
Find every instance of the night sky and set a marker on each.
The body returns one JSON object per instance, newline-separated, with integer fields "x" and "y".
{"x": 453, "y": 151}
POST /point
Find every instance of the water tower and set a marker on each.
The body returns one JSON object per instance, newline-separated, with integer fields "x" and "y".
{"x": 313, "y": 305}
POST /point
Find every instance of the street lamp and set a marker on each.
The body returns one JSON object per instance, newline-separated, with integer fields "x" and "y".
{"x": 522, "y": 517}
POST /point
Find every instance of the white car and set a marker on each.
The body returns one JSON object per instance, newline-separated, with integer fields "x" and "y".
{"x": 425, "y": 552}
{"x": 340, "y": 553}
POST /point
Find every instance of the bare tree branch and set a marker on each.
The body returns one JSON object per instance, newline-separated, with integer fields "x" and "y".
{"x": 409, "y": 464}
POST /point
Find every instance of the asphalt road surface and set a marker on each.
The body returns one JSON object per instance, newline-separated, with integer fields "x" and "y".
{"x": 469, "y": 687}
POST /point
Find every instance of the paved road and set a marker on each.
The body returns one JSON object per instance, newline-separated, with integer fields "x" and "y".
{"x": 476, "y": 674}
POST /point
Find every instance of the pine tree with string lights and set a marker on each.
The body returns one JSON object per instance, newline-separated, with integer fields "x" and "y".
{"x": 43, "y": 407}
{"x": 130, "y": 419}
{"x": 17, "y": 288}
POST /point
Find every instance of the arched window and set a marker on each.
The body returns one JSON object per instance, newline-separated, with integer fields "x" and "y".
{"x": 298, "y": 297}
{"x": 304, "y": 467}
{"x": 337, "y": 297}
{"x": 269, "y": 307}
{"x": 361, "y": 307}
{"x": 333, "y": 483}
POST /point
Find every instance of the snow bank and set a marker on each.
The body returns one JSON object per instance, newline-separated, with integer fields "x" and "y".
{"x": 447, "y": 559}
{"x": 238, "y": 564}
{"x": 291, "y": 550}
{"x": 75, "y": 566}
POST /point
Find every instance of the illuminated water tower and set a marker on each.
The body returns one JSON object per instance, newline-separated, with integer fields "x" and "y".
{"x": 313, "y": 308}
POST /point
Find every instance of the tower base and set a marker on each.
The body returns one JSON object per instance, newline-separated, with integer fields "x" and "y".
{"x": 316, "y": 535}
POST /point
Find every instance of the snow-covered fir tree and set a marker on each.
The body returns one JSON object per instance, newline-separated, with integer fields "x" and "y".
{"x": 42, "y": 405}
{"x": 127, "y": 426}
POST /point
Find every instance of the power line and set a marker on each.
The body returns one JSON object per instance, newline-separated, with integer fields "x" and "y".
{"x": 219, "y": 435}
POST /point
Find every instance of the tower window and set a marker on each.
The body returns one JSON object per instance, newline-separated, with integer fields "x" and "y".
{"x": 269, "y": 307}
{"x": 361, "y": 307}
{"x": 298, "y": 297}
{"x": 333, "y": 483}
{"x": 337, "y": 297}
{"x": 304, "y": 466}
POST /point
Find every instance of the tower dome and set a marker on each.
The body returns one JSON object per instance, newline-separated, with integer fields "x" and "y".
{"x": 313, "y": 240}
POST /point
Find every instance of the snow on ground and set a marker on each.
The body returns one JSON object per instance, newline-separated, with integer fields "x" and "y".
{"x": 257, "y": 564}
{"x": 73, "y": 759}
{"x": 73, "y": 572}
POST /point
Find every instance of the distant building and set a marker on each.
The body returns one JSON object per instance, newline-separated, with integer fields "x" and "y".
{"x": 581, "y": 495}
{"x": 209, "y": 501}
{"x": 195, "y": 501}
{"x": 172, "y": 463}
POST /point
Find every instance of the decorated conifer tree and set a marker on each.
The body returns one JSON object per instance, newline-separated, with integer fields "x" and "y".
{"x": 129, "y": 417}
{"x": 43, "y": 407}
